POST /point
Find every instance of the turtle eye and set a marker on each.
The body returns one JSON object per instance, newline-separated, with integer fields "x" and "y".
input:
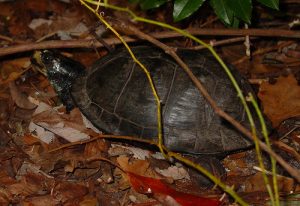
{"x": 47, "y": 57}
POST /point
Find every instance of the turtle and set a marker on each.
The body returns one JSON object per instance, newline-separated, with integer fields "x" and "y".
{"x": 115, "y": 95}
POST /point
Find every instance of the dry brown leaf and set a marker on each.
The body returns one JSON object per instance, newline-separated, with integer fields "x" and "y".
{"x": 29, "y": 139}
{"x": 5, "y": 197}
{"x": 63, "y": 26}
{"x": 293, "y": 53}
{"x": 256, "y": 183}
{"x": 20, "y": 98}
{"x": 174, "y": 172}
{"x": 93, "y": 148}
{"x": 281, "y": 100}
{"x": 13, "y": 69}
{"x": 137, "y": 166}
{"x": 89, "y": 201}
{"x": 30, "y": 184}
{"x": 237, "y": 164}
{"x": 52, "y": 117}
{"x": 6, "y": 10}
{"x": 288, "y": 149}
{"x": 70, "y": 127}
{"x": 41, "y": 200}
{"x": 138, "y": 153}
{"x": 4, "y": 111}
{"x": 67, "y": 191}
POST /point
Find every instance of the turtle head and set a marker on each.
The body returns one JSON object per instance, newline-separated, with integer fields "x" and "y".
{"x": 61, "y": 71}
{"x": 37, "y": 61}
{"x": 56, "y": 65}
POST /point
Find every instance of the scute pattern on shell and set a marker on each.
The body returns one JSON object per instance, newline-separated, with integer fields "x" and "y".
{"x": 116, "y": 97}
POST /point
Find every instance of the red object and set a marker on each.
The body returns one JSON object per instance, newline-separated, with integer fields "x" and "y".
{"x": 148, "y": 185}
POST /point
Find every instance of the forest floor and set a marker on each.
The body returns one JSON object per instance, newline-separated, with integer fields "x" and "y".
{"x": 50, "y": 157}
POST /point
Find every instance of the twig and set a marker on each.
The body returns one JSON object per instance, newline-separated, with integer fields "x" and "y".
{"x": 262, "y": 51}
{"x": 222, "y": 42}
{"x": 9, "y": 39}
{"x": 103, "y": 136}
{"x": 99, "y": 158}
{"x": 5, "y": 38}
{"x": 54, "y": 44}
{"x": 84, "y": 43}
{"x": 127, "y": 28}
{"x": 247, "y": 43}
{"x": 275, "y": 74}
{"x": 258, "y": 81}
{"x": 287, "y": 149}
{"x": 284, "y": 33}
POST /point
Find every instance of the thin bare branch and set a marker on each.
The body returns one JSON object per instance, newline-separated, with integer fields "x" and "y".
{"x": 84, "y": 43}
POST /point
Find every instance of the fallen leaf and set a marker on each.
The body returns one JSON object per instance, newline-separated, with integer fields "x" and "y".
{"x": 138, "y": 153}
{"x": 281, "y": 100}
{"x": 288, "y": 149}
{"x": 95, "y": 148}
{"x": 176, "y": 173}
{"x": 13, "y": 69}
{"x": 31, "y": 183}
{"x": 38, "y": 22}
{"x": 136, "y": 166}
{"x": 89, "y": 201}
{"x": 66, "y": 191}
{"x": 69, "y": 127}
{"x": 255, "y": 183}
{"x": 68, "y": 133}
{"x": 147, "y": 185}
{"x": 87, "y": 123}
{"x": 4, "y": 110}
{"x": 116, "y": 150}
{"x": 20, "y": 98}
{"x": 41, "y": 133}
{"x": 41, "y": 200}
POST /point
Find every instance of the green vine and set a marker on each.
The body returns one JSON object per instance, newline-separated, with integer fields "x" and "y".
{"x": 239, "y": 93}
{"x": 273, "y": 161}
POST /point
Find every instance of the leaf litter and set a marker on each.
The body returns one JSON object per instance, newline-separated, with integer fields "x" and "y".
{"x": 87, "y": 174}
{"x": 275, "y": 98}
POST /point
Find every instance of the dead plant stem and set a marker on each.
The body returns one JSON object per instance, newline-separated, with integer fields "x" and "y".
{"x": 87, "y": 43}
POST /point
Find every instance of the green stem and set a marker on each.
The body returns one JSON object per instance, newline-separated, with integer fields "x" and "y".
{"x": 146, "y": 71}
{"x": 273, "y": 161}
{"x": 236, "y": 86}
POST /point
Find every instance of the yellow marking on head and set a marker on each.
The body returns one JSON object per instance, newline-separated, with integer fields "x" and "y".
{"x": 39, "y": 63}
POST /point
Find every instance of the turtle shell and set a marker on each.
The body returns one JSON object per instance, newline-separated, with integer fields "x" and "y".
{"x": 116, "y": 97}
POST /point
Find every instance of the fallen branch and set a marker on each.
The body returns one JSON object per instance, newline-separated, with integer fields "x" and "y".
{"x": 87, "y": 43}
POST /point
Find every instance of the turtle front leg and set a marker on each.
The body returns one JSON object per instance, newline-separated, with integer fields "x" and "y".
{"x": 67, "y": 101}
{"x": 63, "y": 91}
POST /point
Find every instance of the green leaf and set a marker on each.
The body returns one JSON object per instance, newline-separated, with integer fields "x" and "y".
{"x": 223, "y": 11}
{"x": 185, "y": 8}
{"x": 151, "y": 4}
{"x": 235, "y": 23}
{"x": 274, "y": 4}
{"x": 242, "y": 9}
